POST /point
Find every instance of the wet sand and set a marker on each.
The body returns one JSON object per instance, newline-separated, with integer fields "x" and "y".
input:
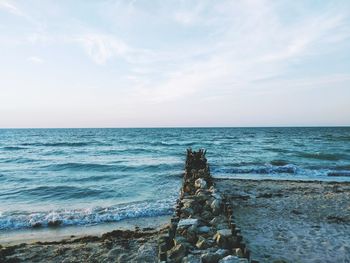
{"x": 292, "y": 221}
{"x": 135, "y": 240}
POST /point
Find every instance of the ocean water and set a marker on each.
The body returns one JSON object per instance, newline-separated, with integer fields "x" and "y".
{"x": 93, "y": 176}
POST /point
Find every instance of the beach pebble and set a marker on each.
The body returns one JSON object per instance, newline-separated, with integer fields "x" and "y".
{"x": 222, "y": 252}
{"x": 230, "y": 259}
{"x": 203, "y": 243}
{"x": 217, "y": 220}
{"x": 204, "y": 229}
{"x": 223, "y": 238}
{"x": 200, "y": 183}
{"x": 238, "y": 252}
{"x": 191, "y": 259}
{"x": 177, "y": 253}
{"x": 207, "y": 215}
{"x": 216, "y": 207}
{"x": 54, "y": 223}
{"x": 187, "y": 222}
{"x": 210, "y": 257}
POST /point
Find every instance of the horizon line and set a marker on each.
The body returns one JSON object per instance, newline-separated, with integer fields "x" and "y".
{"x": 181, "y": 127}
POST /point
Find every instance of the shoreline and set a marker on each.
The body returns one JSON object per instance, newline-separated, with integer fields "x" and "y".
{"x": 57, "y": 234}
{"x": 286, "y": 220}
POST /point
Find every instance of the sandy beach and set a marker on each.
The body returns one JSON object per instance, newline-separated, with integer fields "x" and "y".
{"x": 281, "y": 221}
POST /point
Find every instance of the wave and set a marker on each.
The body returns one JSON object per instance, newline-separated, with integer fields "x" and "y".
{"x": 20, "y": 160}
{"x": 13, "y": 148}
{"x": 59, "y": 144}
{"x": 164, "y": 143}
{"x": 279, "y": 162}
{"x": 85, "y": 216}
{"x": 277, "y": 150}
{"x": 57, "y": 192}
{"x": 324, "y": 156}
{"x": 339, "y": 173}
{"x": 128, "y": 151}
{"x": 80, "y": 167}
{"x": 110, "y": 167}
{"x": 338, "y": 138}
{"x": 289, "y": 169}
{"x": 342, "y": 167}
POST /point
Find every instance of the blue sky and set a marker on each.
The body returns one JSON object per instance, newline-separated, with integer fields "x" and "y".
{"x": 174, "y": 63}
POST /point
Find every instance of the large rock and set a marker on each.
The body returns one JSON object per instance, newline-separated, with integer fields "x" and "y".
{"x": 200, "y": 183}
{"x": 218, "y": 220}
{"x": 187, "y": 222}
{"x": 222, "y": 226}
{"x": 191, "y": 259}
{"x": 230, "y": 259}
{"x": 210, "y": 257}
{"x": 204, "y": 229}
{"x": 222, "y": 252}
{"x": 191, "y": 234}
{"x": 207, "y": 215}
{"x": 216, "y": 206}
{"x": 181, "y": 240}
{"x": 238, "y": 252}
{"x": 177, "y": 253}
{"x": 204, "y": 243}
{"x": 223, "y": 238}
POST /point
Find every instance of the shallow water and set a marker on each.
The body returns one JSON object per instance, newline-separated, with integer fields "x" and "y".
{"x": 92, "y": 176}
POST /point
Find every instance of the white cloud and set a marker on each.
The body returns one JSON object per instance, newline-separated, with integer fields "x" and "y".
{"x": 103, "y": 47}
{"x": 205, "y": 50}
{"x": 11, "y": 8}
{"x": 35, "y": 60}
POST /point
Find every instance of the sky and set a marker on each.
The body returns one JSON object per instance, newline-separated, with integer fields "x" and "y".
{"x": 170, "y": 63}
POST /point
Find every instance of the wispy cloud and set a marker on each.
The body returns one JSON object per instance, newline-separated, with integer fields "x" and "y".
{"x": 35, "y": 60}
{"x": 159, "y": 53}
{"x": 10, "y": 7}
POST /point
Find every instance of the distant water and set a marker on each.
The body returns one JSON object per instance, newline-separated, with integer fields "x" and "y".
{"x": 90, "y": 176}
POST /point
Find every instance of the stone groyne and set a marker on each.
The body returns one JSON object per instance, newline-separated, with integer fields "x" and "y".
{"x": 203, "y": 228}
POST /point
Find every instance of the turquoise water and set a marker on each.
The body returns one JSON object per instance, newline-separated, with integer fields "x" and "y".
{"x": 92, "y": 176}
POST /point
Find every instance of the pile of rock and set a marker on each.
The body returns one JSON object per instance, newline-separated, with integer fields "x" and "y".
{"x": 202, "y": 229}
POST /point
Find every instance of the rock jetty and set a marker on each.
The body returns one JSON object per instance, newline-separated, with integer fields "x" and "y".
{"x": 203, "y": 228}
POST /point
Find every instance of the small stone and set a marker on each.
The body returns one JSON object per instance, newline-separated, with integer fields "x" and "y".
{"x": 187, "y": 211}
{"x": 207, "y": 215}
{"x": 191, "y": 259}
{"x": 187, "y": 222}
{"x": 200, "y": 183}
{"x": 179, "y": 240}
{"x": 216, "y": 195}
{"x": 204, "y": 229}
{"x": 191, "y": 234}
{"x": 223, "y": 238}
{"x": 36, "y": 224}
{"x": 203, "y": 243}
{"x": 177, "y": 253}
{"x": 222, "y": 252}
{"x": 218, "y": 220}
{"x": 216, "y": 207}
{"x": 54, "y": 223}
{"x": 230, "y": 259}
{"x": 238, "y": 252}
{"x": 210, "y": 257}
{"x": 222, "y": 226}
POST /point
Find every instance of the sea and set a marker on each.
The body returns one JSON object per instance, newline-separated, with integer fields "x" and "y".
{"x": 78, "y": 177}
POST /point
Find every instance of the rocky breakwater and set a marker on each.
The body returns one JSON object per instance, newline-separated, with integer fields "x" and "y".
{"x": 203, "y": 228}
